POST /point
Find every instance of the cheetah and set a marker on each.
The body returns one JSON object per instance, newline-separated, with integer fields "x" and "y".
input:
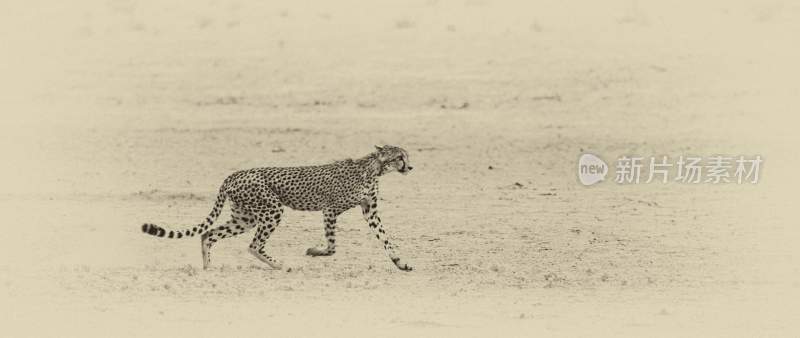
{"x": 258, "y": 196}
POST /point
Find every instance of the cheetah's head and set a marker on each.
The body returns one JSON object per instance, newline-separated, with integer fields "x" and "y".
{"x": 394, "y": 158}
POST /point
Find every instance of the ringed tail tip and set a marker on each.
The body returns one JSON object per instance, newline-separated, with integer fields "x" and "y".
{"x": 153, "y": 229}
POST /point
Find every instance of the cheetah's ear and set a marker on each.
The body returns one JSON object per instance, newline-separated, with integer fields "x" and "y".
{"x": 378, "y": 147}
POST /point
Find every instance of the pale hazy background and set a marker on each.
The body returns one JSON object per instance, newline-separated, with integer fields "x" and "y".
{"x": 115, "y": 113}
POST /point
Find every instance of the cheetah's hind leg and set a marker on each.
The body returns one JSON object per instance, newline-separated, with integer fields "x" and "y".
{"x": 236, "y": 226}
{"x": 267, "y": 222}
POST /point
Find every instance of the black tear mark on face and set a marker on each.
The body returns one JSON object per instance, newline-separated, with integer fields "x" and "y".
{"x": 404, "y": 167}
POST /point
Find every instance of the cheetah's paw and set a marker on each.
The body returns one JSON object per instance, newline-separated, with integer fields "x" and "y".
{"x": 319, "y": 251}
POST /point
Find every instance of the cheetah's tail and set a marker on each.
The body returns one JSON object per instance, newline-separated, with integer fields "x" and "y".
{"x": 158, "y": 231}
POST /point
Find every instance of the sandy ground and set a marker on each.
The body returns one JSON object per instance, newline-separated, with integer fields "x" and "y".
{"x": 117, "y": 113}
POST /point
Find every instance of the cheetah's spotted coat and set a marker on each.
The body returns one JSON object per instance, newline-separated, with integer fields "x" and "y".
{"x": 258, "y": 196}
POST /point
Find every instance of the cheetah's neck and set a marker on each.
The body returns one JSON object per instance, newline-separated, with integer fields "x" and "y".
{"x": 372, "y": 165}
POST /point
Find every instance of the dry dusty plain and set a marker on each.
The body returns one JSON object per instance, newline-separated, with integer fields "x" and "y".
{"x": 116, "y": 113}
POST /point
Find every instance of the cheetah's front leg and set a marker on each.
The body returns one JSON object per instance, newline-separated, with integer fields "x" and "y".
{"x": 330, "y": 236}
{"x": 369, "y": 207}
